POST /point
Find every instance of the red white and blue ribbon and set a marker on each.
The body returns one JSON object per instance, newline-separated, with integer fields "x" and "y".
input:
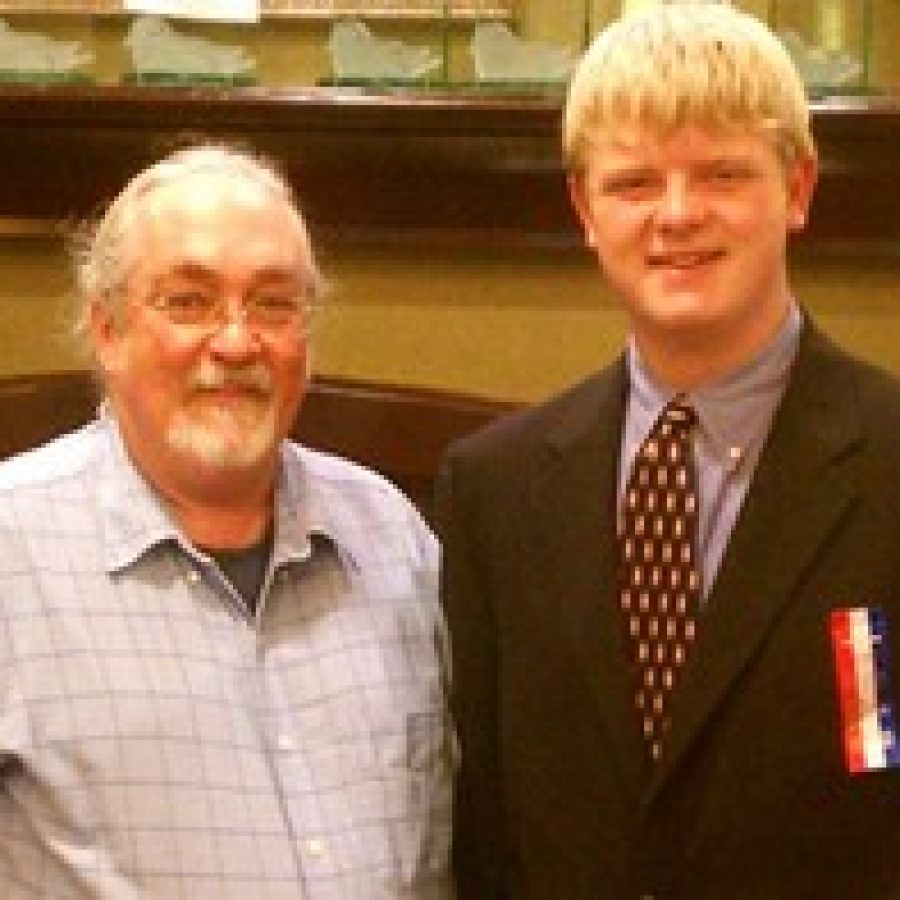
{"x": 859, "y": 639}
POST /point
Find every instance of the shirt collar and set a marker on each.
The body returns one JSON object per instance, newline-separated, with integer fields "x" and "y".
{"x": 733, "y": 411}
{"x": 304, "y": 515}
{"x": 136, "y": 520}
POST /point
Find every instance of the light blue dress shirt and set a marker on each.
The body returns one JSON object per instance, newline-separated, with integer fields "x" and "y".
{"x": 734, "y": 414}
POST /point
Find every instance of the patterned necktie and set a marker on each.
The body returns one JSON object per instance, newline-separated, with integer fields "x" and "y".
{"x": 659, "y": 575}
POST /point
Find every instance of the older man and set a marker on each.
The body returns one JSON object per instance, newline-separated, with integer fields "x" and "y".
{"x": 223, "y": 669}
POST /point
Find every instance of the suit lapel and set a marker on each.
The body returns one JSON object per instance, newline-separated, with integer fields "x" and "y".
{"x": 803, "y": 485}
{"x": 574, "y": 489}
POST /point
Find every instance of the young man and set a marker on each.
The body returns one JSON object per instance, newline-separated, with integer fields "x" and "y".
{"x": 223, "y": 669}
{"x": 671, "y": 591}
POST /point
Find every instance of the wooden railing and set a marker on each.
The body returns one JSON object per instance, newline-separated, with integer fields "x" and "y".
{"x": 398, "y": 431}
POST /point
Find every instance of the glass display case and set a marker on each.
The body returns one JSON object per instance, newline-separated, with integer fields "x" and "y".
{"x": 457, "y": 45}
{"x": 379, "y": 43}
{"x": 831, "y": 42}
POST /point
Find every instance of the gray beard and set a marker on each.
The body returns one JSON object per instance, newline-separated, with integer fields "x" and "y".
{"x": 239, "y": 447}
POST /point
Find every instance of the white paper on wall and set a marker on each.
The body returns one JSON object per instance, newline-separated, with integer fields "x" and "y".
{"x": 205, "y": 10}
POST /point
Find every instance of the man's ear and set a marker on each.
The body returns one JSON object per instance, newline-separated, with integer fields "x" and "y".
{"x": 579, "y": 197}
{"x": 105, "y": 334}
{"x": 803, "y": 175}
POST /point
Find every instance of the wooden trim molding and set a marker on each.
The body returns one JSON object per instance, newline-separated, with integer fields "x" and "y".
{"x": 459, "y": 10}
{"x": 421, "y": 170}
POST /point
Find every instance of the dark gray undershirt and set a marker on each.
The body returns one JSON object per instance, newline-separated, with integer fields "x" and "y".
{"x": 246, "y": 568}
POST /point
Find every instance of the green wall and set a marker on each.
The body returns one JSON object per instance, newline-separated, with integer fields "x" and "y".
{"x": 521, "y": 326}
{"x": 507, "y": 325}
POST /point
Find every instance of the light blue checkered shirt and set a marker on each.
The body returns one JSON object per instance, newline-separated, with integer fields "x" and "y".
{"x": 159, "y": 741}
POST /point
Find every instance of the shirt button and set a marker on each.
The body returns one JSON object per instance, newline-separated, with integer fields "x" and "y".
{"x": 315, "y": 848}
{"x": 286, "y": 743}
{"x": 735, "y": 454}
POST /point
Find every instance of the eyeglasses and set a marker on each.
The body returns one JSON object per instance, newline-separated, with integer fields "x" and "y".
{"x": 267, "y": 310}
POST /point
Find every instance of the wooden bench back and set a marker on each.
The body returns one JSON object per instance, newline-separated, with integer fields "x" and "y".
{"x": 398, "y": 431}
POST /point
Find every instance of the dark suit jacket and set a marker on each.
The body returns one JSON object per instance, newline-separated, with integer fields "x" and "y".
{"x": 753, "y": 798}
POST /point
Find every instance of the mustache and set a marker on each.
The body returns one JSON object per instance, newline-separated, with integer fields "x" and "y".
{"x": 209, "y": 375}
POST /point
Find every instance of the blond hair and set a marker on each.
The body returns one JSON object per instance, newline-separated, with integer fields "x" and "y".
{"x": 691, "y": 62}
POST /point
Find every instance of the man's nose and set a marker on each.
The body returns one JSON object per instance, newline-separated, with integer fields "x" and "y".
{"x": 235, "y": 338}
{"x": 679, "y": 204}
